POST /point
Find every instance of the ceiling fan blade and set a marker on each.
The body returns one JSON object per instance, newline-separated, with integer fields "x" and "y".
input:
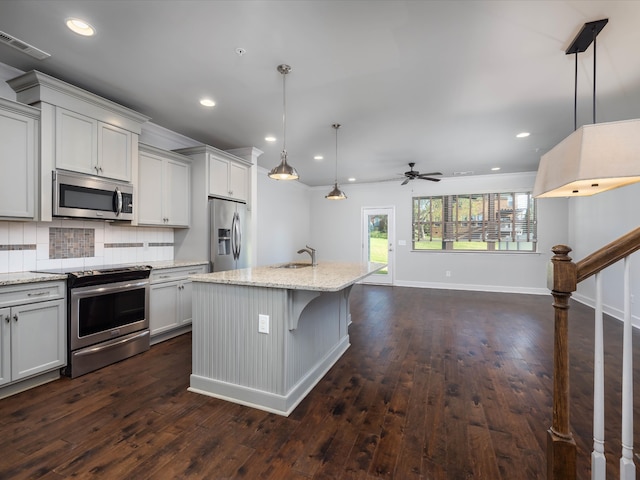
{"x": 429, "y": 178}
{"x": 429, "y": 174}
{"x": 405, "y": 181}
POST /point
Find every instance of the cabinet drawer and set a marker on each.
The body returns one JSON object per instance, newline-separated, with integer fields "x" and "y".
{"x": 30, "y": 293}
{"x": 178, "y": 273}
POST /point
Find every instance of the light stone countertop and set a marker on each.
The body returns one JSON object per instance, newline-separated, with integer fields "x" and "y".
{"x": 29, "y": 277}
{"x": 17, "y": 278}
{"x": 326, "y": 276}
{"x": 159, "y": 265}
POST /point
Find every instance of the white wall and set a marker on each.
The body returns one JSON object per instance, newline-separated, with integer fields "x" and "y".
{"x": 596, "y": 221}
{"x": 283, "y": 225}
{"x": 336, "y": 233}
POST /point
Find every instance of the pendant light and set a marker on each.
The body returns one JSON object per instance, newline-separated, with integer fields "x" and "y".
{"x": 284, "y": 171}
{"x": 336, "y": 193}
{"x": 594, "y": 158}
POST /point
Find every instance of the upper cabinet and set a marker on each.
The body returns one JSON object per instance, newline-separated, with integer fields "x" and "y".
{"x": 18, "y": 154}
{"x": 80, "y": 131}
{"x": 227, "y": 178}
{"x": 87, "y": 145}
{"x": 164, "y": 188}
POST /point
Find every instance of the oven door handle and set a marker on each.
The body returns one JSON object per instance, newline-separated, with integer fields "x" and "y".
{"x": 111, "y": 344}
{"x": 106, "y": 288}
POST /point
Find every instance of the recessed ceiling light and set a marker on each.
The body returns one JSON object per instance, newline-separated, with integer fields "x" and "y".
{"x": 351, "y": 179}
{"x": 207, "y": 102}
{"x": 318, "y": 157}
{"x": 270, "y": 138}
{"x": 80, "y": 27}
{"x": 495, "y": 169}
{"x": 523, "y": 135}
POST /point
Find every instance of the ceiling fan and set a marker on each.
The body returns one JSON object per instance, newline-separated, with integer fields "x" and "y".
{"x": 413, "y": 174}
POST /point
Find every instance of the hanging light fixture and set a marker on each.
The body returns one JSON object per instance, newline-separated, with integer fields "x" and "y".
{"x": 336, "y": 193}
{"x": 594, "y": 158}
{"x": 284, "y": 171}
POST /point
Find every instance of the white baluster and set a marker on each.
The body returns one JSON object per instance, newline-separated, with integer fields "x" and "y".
{"x": 598, "y": 460}
{"x": 627, "y": 467}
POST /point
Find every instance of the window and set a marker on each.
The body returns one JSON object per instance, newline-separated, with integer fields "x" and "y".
{"x": 488, "y": 221}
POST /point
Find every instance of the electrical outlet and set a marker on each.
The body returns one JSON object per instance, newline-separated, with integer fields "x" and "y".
{"x": 263, "y": 323}
{"x": 447, "y": 273}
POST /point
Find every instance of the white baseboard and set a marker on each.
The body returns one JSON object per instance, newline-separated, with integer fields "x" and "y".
{"x": 473, "y": 288}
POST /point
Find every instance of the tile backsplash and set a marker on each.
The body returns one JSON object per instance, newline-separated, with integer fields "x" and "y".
{"x": 27, "y": 246}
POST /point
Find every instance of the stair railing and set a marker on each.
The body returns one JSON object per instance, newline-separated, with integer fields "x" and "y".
{"x": 563, "y": 278}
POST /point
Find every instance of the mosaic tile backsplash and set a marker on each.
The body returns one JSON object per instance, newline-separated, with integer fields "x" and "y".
{"x": 71, "y": 242}
{"x": 28, "y": 246}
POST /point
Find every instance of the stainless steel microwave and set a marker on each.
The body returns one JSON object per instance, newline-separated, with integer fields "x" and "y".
{"x": 85, "y": 196}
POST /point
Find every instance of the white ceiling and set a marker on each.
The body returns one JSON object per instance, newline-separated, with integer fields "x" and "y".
{"x": 445, "y": 84}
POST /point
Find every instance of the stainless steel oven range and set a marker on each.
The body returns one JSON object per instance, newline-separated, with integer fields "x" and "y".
{"x": 107, "y": 315}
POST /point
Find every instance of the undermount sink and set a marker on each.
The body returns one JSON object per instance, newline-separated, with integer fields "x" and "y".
{"x": 294, "y": 265}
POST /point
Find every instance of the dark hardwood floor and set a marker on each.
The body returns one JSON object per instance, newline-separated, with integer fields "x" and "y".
{"x": 437, "y": 384}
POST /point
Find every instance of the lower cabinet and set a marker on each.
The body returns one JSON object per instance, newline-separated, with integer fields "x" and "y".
{"x": 170, "y": 299}
{"x": 33, "y": 331}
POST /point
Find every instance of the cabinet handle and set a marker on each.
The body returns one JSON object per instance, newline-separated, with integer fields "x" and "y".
{"x": 164, "y": 276}
{"x": 96, "y": 168}
{"x": 7, "y": 319}
{"x": 100, "y": 169}
{"x": 15, "y": 317}
{"x": 193, "y": 273}
{"x": 38, "y": 294}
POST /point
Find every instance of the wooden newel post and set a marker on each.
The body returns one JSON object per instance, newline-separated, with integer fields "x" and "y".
{"x": 561, "y": 448}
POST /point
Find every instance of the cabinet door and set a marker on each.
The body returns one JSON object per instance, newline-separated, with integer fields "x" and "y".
{"x": 114, "y": 152}
{"x": 17, "y": 165}
{"x": 76, "y": 142}
{"x": 38, "y": 337}
{"x": 185, "y": 302}
{"x": 5, "y": 346}
{"x": 163, "y": 307}
{"x": 150, "y": 189}
{"x": 177, "y": 193}
{"x": 238, "y": 181}
{"x": 218, "y": 177}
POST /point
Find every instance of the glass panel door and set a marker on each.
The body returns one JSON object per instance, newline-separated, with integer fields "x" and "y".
{"x": 378, "y": 229}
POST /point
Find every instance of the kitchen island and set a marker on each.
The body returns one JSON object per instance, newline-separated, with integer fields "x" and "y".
{"x": 263, "y": 337}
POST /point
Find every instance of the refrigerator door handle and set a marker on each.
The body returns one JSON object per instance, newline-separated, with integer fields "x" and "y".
{"x": 235, "y": 248}
{"x": 238, "y": 237}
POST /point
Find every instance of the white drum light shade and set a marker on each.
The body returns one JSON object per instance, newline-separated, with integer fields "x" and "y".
{"x": 593, "y": 159}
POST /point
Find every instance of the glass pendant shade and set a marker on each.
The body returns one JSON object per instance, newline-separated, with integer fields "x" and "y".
{"x": 283, "y": 171}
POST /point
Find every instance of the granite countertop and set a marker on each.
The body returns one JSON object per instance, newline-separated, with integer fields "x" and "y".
{"x": 29, "y": 277}
{"x": 326, "y": 276}
{"x": 17, "y": 278}
{"x": 159, "y": 265}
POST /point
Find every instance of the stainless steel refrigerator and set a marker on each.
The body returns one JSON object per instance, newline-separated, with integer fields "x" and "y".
{"x": 228, "y": 239}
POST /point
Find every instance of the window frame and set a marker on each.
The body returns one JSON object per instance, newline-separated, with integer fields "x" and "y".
{"x": 503, "y": 222}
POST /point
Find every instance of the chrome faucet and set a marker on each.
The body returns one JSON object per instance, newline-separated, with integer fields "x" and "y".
{"x": 312, "y": 252}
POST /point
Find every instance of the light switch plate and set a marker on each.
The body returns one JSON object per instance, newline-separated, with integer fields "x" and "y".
{"x": 263, "y": 323}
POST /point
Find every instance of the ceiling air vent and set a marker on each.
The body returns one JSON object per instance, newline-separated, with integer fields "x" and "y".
{"x": 22, "y": 46}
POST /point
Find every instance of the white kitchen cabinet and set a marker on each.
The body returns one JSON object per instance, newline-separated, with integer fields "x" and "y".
{"x": 33, "y": 330}
{"x": 79, "y": 131}
{"x": 227, "y": 178}
{"x": 170, "y": 300}
{"x": 18, "y": 155}
{"x": 87, "y": 145}
{"x": 164, "y": 188}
